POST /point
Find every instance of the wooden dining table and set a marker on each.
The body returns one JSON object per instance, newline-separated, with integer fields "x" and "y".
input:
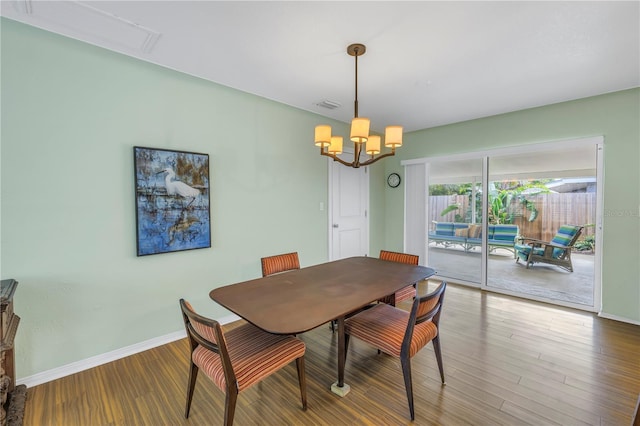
{"x": 300, "y": 300}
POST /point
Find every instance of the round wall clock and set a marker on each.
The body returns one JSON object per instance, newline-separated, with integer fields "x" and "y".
{"x": 393, "y": 180}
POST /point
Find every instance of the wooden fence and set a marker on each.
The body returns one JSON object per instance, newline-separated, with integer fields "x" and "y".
{"x": 554, "y": 210}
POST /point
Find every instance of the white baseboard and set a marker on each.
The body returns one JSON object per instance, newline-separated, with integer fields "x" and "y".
{"x": 617, "y": 318}
{"x": 94, "y": 361}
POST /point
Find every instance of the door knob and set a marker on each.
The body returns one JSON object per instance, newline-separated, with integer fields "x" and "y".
{"x": 335, "y": 225}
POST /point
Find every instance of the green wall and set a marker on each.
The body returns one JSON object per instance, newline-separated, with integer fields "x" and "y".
{"x": 71, "y": 114}
{"x": 615, "y": 116}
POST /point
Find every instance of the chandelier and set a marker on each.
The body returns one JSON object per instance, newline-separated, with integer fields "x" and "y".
{"x": 331, "y": 146}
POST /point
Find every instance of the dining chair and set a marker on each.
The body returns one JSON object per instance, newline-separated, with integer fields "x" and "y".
{"x": 279, "y": 263}
{"x": 404, "y": 293}
{"x": 238, "y": 358}
{"x": 400, "y": 333}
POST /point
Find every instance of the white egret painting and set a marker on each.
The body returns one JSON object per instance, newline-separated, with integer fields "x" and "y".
{"x": 172, "y": 200}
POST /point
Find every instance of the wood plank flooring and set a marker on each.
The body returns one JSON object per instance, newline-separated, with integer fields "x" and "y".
{"x": 507, "y": 361}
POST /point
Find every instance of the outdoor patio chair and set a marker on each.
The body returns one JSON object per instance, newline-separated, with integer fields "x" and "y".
{"x": 555, "y": 252}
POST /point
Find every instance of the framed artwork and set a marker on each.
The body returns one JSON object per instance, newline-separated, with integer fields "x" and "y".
{"x": 172, "y": 200}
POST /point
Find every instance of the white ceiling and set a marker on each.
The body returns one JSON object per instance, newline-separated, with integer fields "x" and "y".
{"x": 427, "y": 63}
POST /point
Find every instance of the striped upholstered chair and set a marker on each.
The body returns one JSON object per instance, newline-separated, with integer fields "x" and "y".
{"x": 555, "y": 252}
{"x": 400, "y": 333}
{"x": 407, "y": 292}
{"x": 279, "y": 263}
{"x": 237, "y": 359}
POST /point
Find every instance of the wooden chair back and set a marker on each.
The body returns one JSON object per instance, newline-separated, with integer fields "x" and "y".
{"x": 410, "y": 259}
{"x": 279, "y": 263}
{"x": 424, "y": 308}
{"x": 407, "y": 292}
{"x": 207, "y": 333}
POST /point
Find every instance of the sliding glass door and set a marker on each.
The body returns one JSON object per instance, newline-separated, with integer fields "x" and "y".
{"x": 455, "y": 220}
{"x": 484, "y": 211}
{"x": 541, "y": 194}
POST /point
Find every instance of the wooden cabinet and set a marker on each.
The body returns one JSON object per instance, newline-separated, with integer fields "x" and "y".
{"x": 12, "y": 398}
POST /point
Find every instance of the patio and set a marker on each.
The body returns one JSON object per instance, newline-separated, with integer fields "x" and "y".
{"x": 540, "y": 280}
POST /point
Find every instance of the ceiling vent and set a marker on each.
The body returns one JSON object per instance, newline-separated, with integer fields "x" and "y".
{"x": 329, "y": 104}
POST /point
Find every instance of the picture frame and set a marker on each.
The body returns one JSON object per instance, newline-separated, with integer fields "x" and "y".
{"x": 172, "y": 200}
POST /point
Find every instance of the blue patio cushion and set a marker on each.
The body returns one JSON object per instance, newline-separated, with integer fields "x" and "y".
{"x": 492, "y": 230}
{"x": 504, "y": 233}
{"x": 538, "y": 251}
{"x": 460, "y": 226}
{"x": 445, "y": 229}
{"x": 524, "y": 249}
{"x": 449, "y": 238}
{"x": 565, "y": 235}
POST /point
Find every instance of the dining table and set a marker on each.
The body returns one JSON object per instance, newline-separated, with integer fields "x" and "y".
{"x": 300, "y": 300}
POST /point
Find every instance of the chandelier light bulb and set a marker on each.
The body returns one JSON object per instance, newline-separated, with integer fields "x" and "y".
{"x": 336, "y": 145}
{"x": 373, "y": 145}
{"x": 393, "y": 137}
{"x": 323, "y": 135}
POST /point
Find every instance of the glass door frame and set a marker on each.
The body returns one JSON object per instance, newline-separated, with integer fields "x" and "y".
{"x": 598, "y": 144}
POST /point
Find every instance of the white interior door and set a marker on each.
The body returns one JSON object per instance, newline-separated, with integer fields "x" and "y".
{"x": 348, "y": 219}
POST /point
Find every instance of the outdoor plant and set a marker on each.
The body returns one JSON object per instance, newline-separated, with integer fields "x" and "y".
{"x": 588, "y": 243}
{"x": 501, "y": 197}
{"x": 500, "y": 202}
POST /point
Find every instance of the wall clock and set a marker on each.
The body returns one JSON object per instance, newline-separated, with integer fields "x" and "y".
{"x": 393, "y": 180}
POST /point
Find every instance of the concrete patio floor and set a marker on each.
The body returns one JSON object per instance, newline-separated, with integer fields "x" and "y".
{"x": 540, "y": 280}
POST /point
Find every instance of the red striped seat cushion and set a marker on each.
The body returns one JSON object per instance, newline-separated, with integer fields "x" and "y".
{"x": 254, "y": 353}
{"x": 384, "y": 327}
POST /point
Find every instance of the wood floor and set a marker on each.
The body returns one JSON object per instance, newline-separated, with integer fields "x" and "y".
{"x": 507, "y": 361}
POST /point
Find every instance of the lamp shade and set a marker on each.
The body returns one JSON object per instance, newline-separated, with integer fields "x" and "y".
{"x": 336, "y": 145}
{"x": 359, "y": 129}
{"x": 393, "y": 136}
{"x": 373, "y": 145}
{"x": 323, "y": 135}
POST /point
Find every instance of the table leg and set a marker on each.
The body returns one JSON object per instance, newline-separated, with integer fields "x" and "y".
{"x": 340, "y": 387}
